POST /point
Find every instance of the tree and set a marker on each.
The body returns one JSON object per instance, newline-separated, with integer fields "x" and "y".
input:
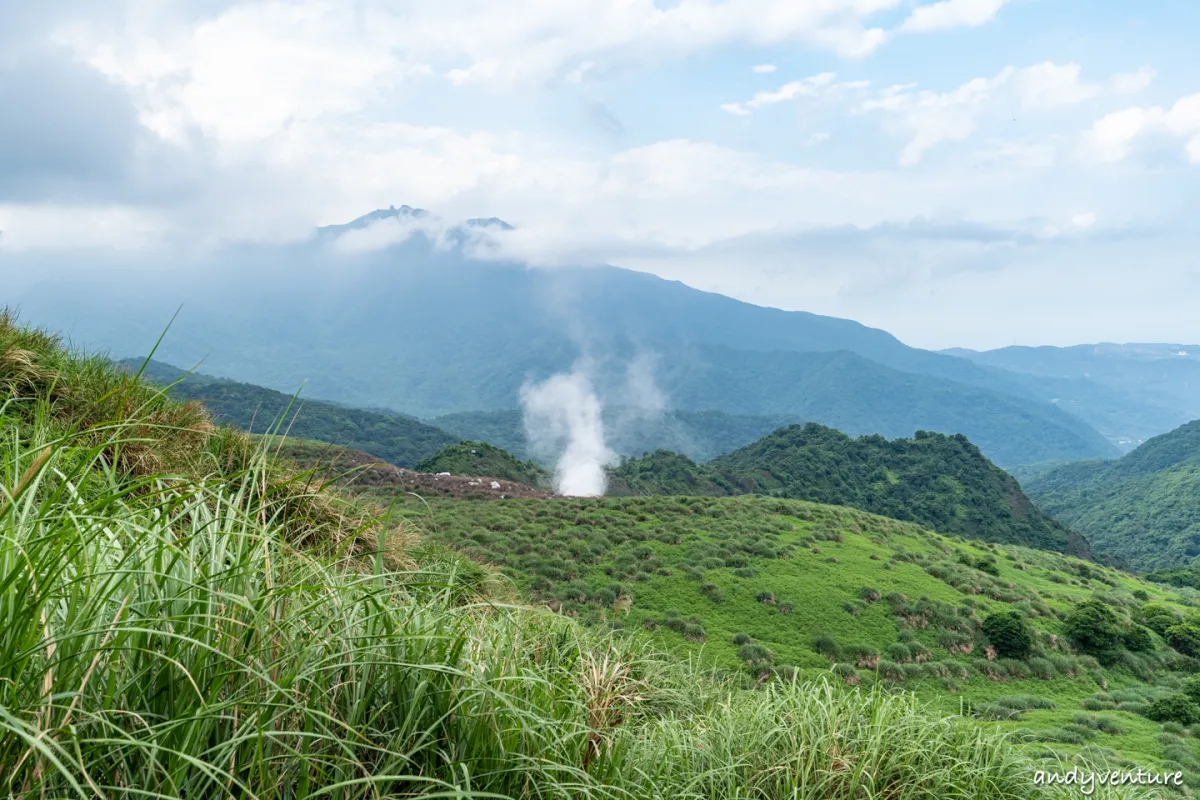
{"x": 1094, "y": 627}
{"x": 1009, "y": 633}
{"x": 1185, "y": 637}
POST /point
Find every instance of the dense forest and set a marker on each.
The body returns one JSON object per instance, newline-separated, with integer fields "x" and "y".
{"x": 1144, "y": 507}
{"x": 941, "y": 482}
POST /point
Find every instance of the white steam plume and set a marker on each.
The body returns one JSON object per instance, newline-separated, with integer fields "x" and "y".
{"x": 562, "y": 416}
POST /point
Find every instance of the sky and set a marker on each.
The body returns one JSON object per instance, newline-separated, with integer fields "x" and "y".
{"x": 971, "y": 173}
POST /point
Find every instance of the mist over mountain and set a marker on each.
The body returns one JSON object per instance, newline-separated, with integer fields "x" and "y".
{"x": 399, "y": 309}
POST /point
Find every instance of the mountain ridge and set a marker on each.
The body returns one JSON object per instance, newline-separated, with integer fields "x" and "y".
{"x": 1143, "y": 507}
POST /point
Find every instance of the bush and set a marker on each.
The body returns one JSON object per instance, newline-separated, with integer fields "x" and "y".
{"x": 1185, "y": 637}
{"x": 1094, "y": 627}
{"x": 741, "y": 638}
{"x": 1138, "y": 639}
{"x": 1174, "y": 708}
{"x": 756, "y": 655}
{"x": 826, "y": 646}
{"x": 1158, "y": 618}
{"x": 1009, "y": 633}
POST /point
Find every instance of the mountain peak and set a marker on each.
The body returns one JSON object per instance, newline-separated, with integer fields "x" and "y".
{"x": 407, "y": 212}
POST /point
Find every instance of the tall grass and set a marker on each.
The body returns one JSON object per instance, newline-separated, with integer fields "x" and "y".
{"x": 182, "y": 617}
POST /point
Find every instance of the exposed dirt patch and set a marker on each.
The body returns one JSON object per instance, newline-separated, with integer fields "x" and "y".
{"x": 354, "y": 469}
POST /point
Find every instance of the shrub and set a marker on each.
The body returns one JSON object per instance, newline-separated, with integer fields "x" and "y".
{"x": 1158, "y": 618}
{"x": 755, "y": 655}
{"x": 861, "y": 655}
{"x": 741, "y": 638}
{"x": 1009, "y": 633}
{"x": 1185, "y": 637}
{"x": 1137, "y": 639}
{"x": 826, "y": 646}
{"x": 868, "y": 594}
{"x": 848, "y": 673}
{"x": 1042, "y": 668}
{"x": 1094, "y": 627}
{"x": 1174, "y": 708}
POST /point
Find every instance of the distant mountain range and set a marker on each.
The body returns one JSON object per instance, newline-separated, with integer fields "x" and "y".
{"x": 1147, "y": 388}
{"x": 392, "y": 311}
{"x": 1144, "y": 508}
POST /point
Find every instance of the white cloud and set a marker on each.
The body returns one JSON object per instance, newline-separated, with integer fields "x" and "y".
{"x": 952, "y": 14}
{"x": 763, "y": 69}
{"x": 823, "y": 84}
{"x": 1084, "y": 219}
{"x": 1112, "y": 137}
{"x": 1133, "y": 82}
{"x": 63, "y": 226}
{"x": 1048, "y": 85}
{"x": 930, "y": 118}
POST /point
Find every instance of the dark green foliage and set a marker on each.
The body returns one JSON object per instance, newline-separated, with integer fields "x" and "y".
{"x": 1144, "y": 508}
{"x": 1094, "y": 627}
{"x": 1158, "y": 618}
{"x": 1009, "y": 633}
{"x": 1191, "y": 687}
{"x": 941, "y": 482}
{"x": 395, "y": 438}
{"x": 479, "y": 459}
{"x": 1185, "y": 637}
{"x": 1174, "y": 708}
{"x": 1137, "y": 638}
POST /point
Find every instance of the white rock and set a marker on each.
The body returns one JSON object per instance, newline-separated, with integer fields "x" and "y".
{"x": 495, "y": 484}
{"x": 443, "y": 473}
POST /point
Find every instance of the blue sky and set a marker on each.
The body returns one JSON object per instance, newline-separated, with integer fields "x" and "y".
{"x": 959, "y": 172}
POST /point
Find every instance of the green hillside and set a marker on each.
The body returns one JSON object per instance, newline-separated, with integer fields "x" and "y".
{"x": 477, "y": 458}
{"x": 395, "y": 438}
{"x": 182, "y": 615}
{"x": 766, "y": 586}
{"x": 941, "y": 482}
{"x": 1144, "y": 507}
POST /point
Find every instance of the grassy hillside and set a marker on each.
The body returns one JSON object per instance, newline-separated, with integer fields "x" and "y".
{"x": 766, "y": 586}
{"x": 182, "y": 615}
{"x": 477, "y": 458}
{"x": 941, "y": 482}
{"x": 1144, "y": 507}
{"x": 395, "y": 438}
